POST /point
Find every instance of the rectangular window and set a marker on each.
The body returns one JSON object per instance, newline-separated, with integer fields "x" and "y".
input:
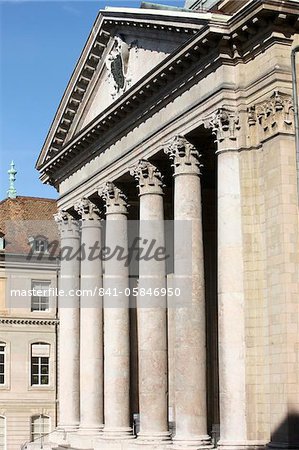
{"x": 3, "y": 294}
{"x": 40, "y": 364}
{"x": 40, "y": 296}
{"x": 2, "y": 363}
{"x": 40, "y": 245}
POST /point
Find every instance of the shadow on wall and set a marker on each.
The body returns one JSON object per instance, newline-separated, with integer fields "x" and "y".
{"x": 286, "y": 436}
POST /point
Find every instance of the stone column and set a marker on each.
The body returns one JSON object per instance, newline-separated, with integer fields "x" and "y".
{"x": 190, "y": 327}
{"x": 116, "y": 319}
{"x": 232, "y": 387}
{"x": 91, "y": 329}
{"x": 151, "y": 312}
{"x": 68, "y": 387}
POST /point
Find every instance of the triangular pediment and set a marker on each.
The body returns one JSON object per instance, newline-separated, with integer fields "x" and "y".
{"x": 129, "y": 56}
{"x": 123, "y": 46}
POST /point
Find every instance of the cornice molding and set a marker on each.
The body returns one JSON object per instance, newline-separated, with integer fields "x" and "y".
{"x": 226, "y": 40}
{"x": 19, "y": 321}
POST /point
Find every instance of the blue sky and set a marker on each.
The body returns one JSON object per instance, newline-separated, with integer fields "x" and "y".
{"x": 40, "y": 43}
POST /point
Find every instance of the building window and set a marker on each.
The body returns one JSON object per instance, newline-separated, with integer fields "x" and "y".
{"x": 39, "y": 244}
{"x": 40, "y": 428}
{"x": 40, "y": 296}
{"x": 2, "y": 433}
{"x": 2, "y": 363}
{"x": 40, "y": 356}
{"x": 2, "y": 241}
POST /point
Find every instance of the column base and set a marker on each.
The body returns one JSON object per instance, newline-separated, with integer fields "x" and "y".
{"x": 241, "y": 445}
{"x": 192, "y": 442}
{"x": 67, "y": 428}
{"x": 117, "y": 433}
{"x": 150, "y": 438}
{"x": 93, "y": 430}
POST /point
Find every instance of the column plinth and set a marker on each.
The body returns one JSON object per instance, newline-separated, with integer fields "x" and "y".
{"x": 116, "y": 320}
{"x": 190, "y": 327}
{"x": 151, "y": 311}
{"x": 91, "y": 329}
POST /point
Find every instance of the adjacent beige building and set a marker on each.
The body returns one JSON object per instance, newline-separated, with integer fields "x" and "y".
{"x": 28, "y": 321}
{"x": 185, "y": 115}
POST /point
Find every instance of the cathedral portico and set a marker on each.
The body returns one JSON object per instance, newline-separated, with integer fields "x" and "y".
{"x": 203, "y": 140}
{"x": 153, "y": 357}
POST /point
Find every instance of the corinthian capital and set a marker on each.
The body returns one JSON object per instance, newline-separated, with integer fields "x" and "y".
{"x": 184, "y": 155}
{"x": 276, "y": 114}
{"x": 66, "y": 223}
{"x": 61, "y": 216}
{"x": 148, "y": 176}
{"x": 224, "y": 124}
{"x": 87, "y": 210}
{"x": 115, "y": 200}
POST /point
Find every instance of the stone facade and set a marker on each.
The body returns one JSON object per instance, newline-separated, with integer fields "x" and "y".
{"x": 202, "y": 134}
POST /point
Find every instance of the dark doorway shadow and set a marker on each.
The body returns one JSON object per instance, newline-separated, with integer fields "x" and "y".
{"x": 286, "y": 436}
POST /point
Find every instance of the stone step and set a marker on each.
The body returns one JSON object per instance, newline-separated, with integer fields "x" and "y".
{"x": 68, "y": 447}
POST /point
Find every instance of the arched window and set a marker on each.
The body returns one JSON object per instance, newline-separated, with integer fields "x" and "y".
{"x": 40, "y": 427}
{"x": 2, "y": 363}
{"x": 2, "y": 433}
{"x": 40, "y": 364}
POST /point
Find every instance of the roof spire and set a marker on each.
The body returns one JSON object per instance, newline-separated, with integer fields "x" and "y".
{"x": 12, "y": 193}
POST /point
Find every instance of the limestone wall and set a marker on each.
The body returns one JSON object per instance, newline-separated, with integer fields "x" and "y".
{"x": 256, "y": 306}
{"x": 270, "y": 227}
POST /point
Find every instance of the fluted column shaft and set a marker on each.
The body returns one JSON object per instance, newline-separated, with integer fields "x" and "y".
{"x": 190, "y": 328}
{"x": 151, "y": 313}
{"x": 116, "y": 319}
{"x": 91, "y": 329}
{"x": 68, "y": 391}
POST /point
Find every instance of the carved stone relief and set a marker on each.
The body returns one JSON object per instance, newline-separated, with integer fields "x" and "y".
{"x": 117, "y": 64}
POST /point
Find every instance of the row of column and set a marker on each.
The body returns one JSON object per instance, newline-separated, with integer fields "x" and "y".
{"x": 99, "y": 398}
